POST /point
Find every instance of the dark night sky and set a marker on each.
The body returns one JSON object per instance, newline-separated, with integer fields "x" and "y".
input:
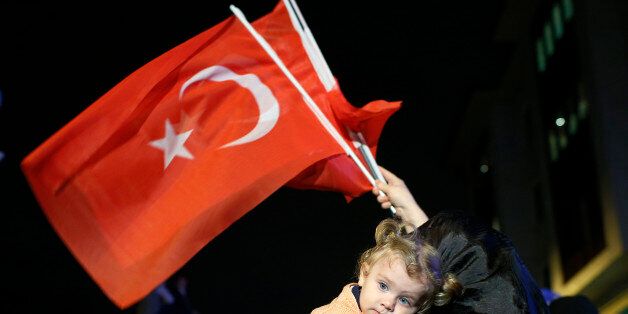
{"x": 298, "y": 248}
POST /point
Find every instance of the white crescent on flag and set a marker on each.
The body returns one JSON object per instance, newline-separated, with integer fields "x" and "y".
{"x": 266, "y": 101}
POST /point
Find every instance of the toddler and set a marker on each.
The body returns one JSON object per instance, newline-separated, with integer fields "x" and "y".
{"x": 398, "y": 275}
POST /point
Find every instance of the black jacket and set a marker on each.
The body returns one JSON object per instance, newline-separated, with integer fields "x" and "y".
{"x": 485, "y": 262}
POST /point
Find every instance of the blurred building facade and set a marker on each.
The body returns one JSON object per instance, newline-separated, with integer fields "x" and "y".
{"x": 543, "y": 152}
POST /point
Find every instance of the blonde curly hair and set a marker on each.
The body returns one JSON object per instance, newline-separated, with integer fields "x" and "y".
{"x": 421, "y": 259}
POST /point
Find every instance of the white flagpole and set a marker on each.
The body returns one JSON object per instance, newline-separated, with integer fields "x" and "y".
{"x": 309, "y": 44}
{"x": 308, "y": 100}
{"x": 327, "y": 78}
{"x": 360, "y": 143}
{"x": 370, "y": 159}
{"x": 306, "y": 97}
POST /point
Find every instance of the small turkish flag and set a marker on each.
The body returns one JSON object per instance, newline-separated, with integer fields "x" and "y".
{"x": 336, "y": 173}
{"x": 175, "y": 153}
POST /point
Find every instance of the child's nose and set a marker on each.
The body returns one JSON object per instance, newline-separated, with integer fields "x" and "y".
{"x": 389, "y": 303}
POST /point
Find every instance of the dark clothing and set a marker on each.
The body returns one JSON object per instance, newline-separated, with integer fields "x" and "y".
{"x": 577, "y": 304}
{"x": 485, "y": 262}
{"x": 356, "y": 293}
{"x": 157, "y": 303}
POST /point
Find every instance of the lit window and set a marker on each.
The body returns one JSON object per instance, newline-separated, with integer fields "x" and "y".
{"x": 540, "y": 56}
{"x": 583, "y": 108}
{"x": 549, "y": 39}
{"x": 557, "y": 21}
{"x": 562, "y": 139}
{"x": 568, "y": 7}
{"x": 553, "y": 146}
{"x": 573, "y": 124}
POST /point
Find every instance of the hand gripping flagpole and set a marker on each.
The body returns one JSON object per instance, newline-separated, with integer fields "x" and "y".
{"x": 306, "y": 97}
{"x": 360, "y": 143}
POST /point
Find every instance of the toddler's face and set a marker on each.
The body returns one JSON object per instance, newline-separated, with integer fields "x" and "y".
{"x": 387, "y": 288}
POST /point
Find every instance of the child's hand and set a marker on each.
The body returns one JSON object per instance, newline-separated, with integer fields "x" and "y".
{"x": 397, "y": 194}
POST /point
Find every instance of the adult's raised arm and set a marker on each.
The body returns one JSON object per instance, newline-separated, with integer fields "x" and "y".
{"x": 397, "y": 194}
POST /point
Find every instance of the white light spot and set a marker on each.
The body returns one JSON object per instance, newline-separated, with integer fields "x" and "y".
{"x": 484, "y": 168}
{"x": 560, "y": 121}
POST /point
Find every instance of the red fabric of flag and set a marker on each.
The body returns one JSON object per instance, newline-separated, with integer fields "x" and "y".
{"x": 336, "y": 173}
{"x": 171, "y": 156}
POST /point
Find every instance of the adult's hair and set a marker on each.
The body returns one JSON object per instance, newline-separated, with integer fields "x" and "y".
{"x": 481, "y": 268}
{"x": 420, "y": 258}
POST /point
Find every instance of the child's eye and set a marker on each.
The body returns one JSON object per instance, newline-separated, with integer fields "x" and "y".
{"x": 404, "y": 301}
{"x": 383, "y": 286}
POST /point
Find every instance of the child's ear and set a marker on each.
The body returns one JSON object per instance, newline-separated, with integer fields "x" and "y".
{"x": 364, "y": 272}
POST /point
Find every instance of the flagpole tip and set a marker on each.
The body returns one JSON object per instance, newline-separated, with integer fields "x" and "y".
{"x": 237, "y": 12}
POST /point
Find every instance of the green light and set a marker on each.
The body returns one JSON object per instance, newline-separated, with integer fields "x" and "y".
{"x": 540, "y": 56}
{"x": 572, "y": 126}
{"x": 553, "y": 147}
{"x": 568, "y": 7}
{"x": 562, "y": 140}
{"x": 557, "y": 21}
{"x": 583, "y": 108}
{"x": 549, "y": 39}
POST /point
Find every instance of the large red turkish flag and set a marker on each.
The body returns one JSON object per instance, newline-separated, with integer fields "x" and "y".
{"x": 171, "y": 156}
{"x": 339, "y": 172}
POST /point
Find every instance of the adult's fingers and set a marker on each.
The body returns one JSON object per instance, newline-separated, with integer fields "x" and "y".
{"x": 389, "y": 176}
{"x": 382, "y": 186}
{"x": 382, "y": 198}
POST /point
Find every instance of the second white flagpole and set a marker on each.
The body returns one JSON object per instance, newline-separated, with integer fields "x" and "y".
{"x": 308, "y": 100}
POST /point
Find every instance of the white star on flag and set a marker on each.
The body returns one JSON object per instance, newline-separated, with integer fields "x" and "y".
{"x": 172, "y": 144}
